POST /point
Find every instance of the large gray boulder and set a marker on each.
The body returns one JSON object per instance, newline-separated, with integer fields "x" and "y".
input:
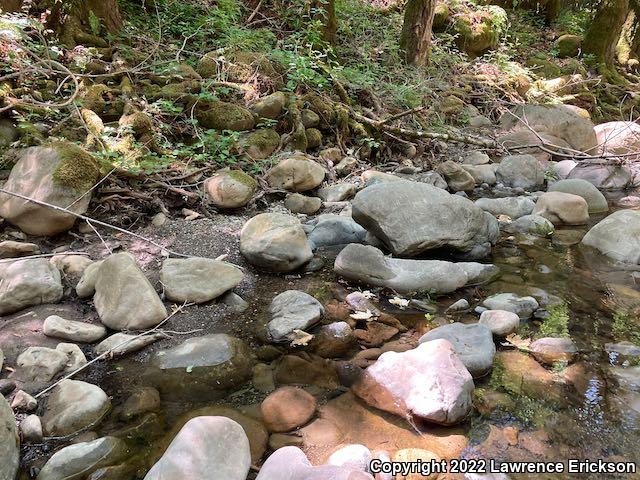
{"x": 292, "y": 310}
{"x": 60, "y": 174}
{"x": 334, "y": 230}
{"x": 429, "y": 383}
{"x": 472, "y": 343}
{"x": 81, "y": 459}
{"x": 595, "y": 199}
{"x": 73, "y": 406}
{"x": 275, "y": 241}
{"x": 617, "y": 236}
{"x": 619, "y": 138}
{"x": 368, "y": 265}
{"x": 196, "y": 279}
{"x": 124, "y": 298}
{"x": 523, "y": 171}
{"x": 214, "y": 448}
{"x": 209, "y": 365}
{"x": 290, "y": 463}
{"x": 28, "y": 282}
{"x": 562, "y": 208}
{"x": 514, "y": 207}
{"x": 411, "y": 218}
{"x": 9, "y": 442}
{"x": 603, "y": 176}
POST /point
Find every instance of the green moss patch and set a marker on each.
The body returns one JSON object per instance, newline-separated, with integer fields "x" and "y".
{"x": 76, "y": 169}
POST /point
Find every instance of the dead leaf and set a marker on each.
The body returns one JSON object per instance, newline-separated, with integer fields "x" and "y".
{"x": 517, "y": 341}
{"x": 400, "y": 302}
{"x": 299, "y": 338}
{"x": 362, "y": 315}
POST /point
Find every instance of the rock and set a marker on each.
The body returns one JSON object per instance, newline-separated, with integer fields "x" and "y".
{"x": 292, "y": 310}
{"x": 354, "y": 456}
{"x": 389, "y": 211}
{"x": 197, "y": 280}
{"x": 337, "y": 192}
{"x": 23, "y": 402}
{"x": 235, "y": 302}
{"x": 478, "y": 273}
{"x": 31, "y": 429}
{"x": 275, "y": 241}
{"x": 216, "y": 364}
{"x": 513, "y": 207}
{"x": 72, "y": 267}
{"x": 219, "y": 115}
{"x": 457, "y": 178}
{"x": 522, "y": 171}
{"x": 86, "y": 286}
{"x": 482, "y": 173}
{"x": 629, "y": 201}
{"x": 9, "y": 442}
{"x": 159, "y": 219}
{"x": 287, "y": 409}
{"x": 7, "y": 386}
{"x": 298, "y": 203}
{"x": 368, "y": 265}
{"x": 28, "y": 282}
{"x": 143, "y": 400}
{"x": 315, "y": 371}
{"x": 75, "y": 357}
{"x": 479, "y": 31}
{"x": 476, "y": 157}
{"x": 416, "y": 455}
{"x": 270, "y": 106}
{"x": 11, "y": 249}
{"x": 557, "y": 120}
{"x": 334, "y": 230}
{"x": 473, "y": 344}
{"x": 568, "y": 45}
{"x": 81, "y": 459}
{"x": 1, "y": 359}
{"x": 73, "y": 406}
{"x": 479, "y": 121}
{"x": 458, "y": 306}
{"x": 532, "y": 224}
{"x": 215, "y": 448}
{"x": 39, "y": 364}
{"x": 260, "y": 144}
{"x": 290, "y": 463}
{"x": 120, "y": 344}
{"x": 296, "y": 172}
{"x": 124, "y": 298}
{"x": 551, "y": 350}
{"x": 603, "y": 177}
{"x": 263, "y": 378}
{"x": 58, "y": 327}
{"x": 522, "y": 306}
{"x": 230, "y": 188}
{"x": 310, "y": 119}
{"x": 375, "y": 334}
{"x": 59, "y": 174}
{"x": 619, "y": 138}
{"x": 562, "y": 208}
{"x": 333, "y": 340}
{"x": 525, "y": 141}
{"x": 500, "y": 322}
{"x": 314, "y": 138}
{"x": 428, "y": 383}
{"x": 595, "y": 199}
{"x": 617, "y": 236}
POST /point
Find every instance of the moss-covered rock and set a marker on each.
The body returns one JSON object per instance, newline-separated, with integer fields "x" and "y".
{"x": 239, "y": 67}
{"x": 270, "y": 106}
{"x": 76, "y": 167}
{"x": 138, "y": 122}
{"x": 543, "y": 66}
{"x": 309, "y": 118}
{"x": 224, "y": 116}
{"x": 451, "y": 106}
{"x": 93, "y": 98}
{"x": 442, "y": 17}
{"x": 323, "y": 108}
{"x": 480, "y": 30}
{"x": 568, "y": 45}
{"x": 314, "y": 137}
{"x": 261, "y": 143}
{"x": 8, "y": 133}
{"x": 230, "y": 188}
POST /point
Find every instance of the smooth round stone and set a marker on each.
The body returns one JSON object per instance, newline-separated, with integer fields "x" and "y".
{"x": 413, "y": 455}
{"x": 58, "y": 327}
{"x": 287, "y": 408}
{"x": 550, "y": 350}
{"x": 500, "y": 322}
{"x": 523, "y": 306}
{"x": 353, "y": 456}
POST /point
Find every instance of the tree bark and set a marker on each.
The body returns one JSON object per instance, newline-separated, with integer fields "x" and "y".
{"x": 605, "y": 30}
{"x": 415, "y": 39}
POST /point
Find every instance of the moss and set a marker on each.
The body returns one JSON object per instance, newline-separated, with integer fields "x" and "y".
{"x": 29, "y": 134}
{"x": 322, "y": 107}
{"x": 261, "y": 143}
{"x": 441, "y": 17}
{"x": 243, "y": 178}
{"x": 224, "y": 116}
{"x": 557, "y": 324}
{"x": 93, "y": 98}
{"x": 314, "y": 137}
{"x": 208, "y": 65}
{"x": 480, "y": 30}
{"x": 76, "y": 168}
{"x": 138, "y": 122}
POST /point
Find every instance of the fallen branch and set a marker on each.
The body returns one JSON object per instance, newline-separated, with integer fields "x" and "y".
{"x": 41, "y": 255}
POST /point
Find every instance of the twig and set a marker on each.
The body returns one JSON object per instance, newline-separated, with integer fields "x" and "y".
{"x": 41, "y": 255}
{"x": 401, "y": 114}
{"x": 255, "y": 12}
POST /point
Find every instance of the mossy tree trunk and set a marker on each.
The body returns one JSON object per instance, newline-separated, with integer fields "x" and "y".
{"x": 415, "y": 39}
{"x": 326, "y": 12}
{"x": 605, "y": 30}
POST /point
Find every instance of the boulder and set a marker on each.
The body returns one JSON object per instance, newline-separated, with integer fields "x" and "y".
{"x": 83, "y": 332}
{"x": 290, "y": 463}
{"x": 287, "y": 409}
{"x": 11, "y": 249}
{"x": 500, "y": 322}
{"x": 26, "y": 283}
{"x": 513, "y": 207}
{"x": 296, "y": 172}
{"x": 211, "y": 365}
{"x": 292, "y": 310}
{"x": 428, "y": 383}
{"x": 524, "y": 141}
{"x": 475, "y": 158}
{"x": 260, "y": 144}
{"x": 334, "y": 230}
{"x": 73, "y": 406}
{"x": 562, "y": 208}
{"x": 353, "y": 456}
{"x": 81, "y": 459}
{"x": 59, "y": 174}
{"x": 479, "y": 30}
{"x": 124, "y": 298}
{"x": 368, "y": 265}
{"x": 271, "y": 106}
{"x": 333, "y": 340}
{"x": 298, "y": 203}
{"x": 557, "y": 120}
{"x": 215, "y": 448}
{"x": 619, "y": 138}
{"x": 482, "y": 173}
{"x": 473, "y": 344}
{"x": 617, "y": 236}
{"x": 275, "y": 241}
{"x": 568, "y": 45}
{"x": 197, "y": 279}
{"x": 522, "y": 306}
{"x": 523, "y": 171}
{"x": 603, "y": 176}
{"x": 550, "y": 350}
{"x": 596, "y": 201}
{"x": 411, "y": 218}
{"x": 230, "y": 188}
{"x": 531, "y": 224}
{"x": 42, "y": 364}
{"x": 86, "y": 286}
{"x": 219, "y": 115}
{"x": 71, "y": 267}
{"x": 457, "y": 178}
{"x": 31, "y": 429}
{"x": 9, "y": 442}
{"x": 337, "y": 192}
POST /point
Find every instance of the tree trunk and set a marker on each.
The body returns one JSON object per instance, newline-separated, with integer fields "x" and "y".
{"x": 106, "y": 11}
{"x": 604, "y": 32}
{"x": 415, "y": 39}
{"x": 327, "y": 15}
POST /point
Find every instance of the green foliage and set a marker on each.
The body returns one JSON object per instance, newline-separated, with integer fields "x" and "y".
{"x": 94, "y": 23}
{"x": 557, "y": 324}
{"x": 575, "y": 21}
{"x": 624, "y": 328}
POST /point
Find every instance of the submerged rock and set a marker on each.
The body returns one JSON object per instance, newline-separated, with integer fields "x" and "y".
{"x": 550, "y": 350}
{"x": 292, "y": 310}
{"x": 28, "y": 282}
{"x": 287, "y": 409}
{"x": 428, "y": 383}
{"x": 617, "y": 236}
{"x": 522, "y": 306}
